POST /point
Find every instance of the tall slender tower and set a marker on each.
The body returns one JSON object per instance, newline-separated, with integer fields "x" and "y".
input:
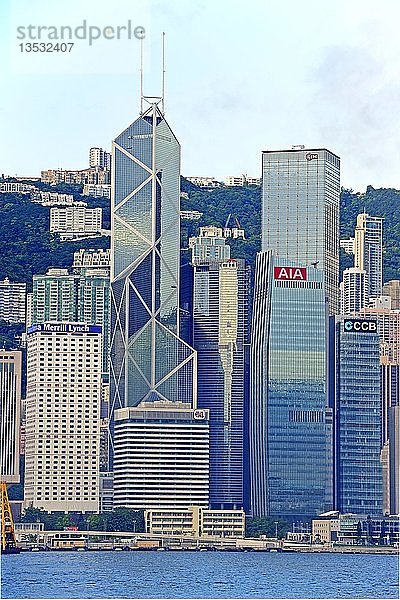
{"x": 220, "y": 336}
{"x": 300, "y": 211}
{"x": 296, "y": 280}
{"x": 10, "y": 408}
{"x": 149, "y": 361}
{"x": 290, "y": 422}
{"x": 368, "y": 251}
{"x": 153, "y": 370}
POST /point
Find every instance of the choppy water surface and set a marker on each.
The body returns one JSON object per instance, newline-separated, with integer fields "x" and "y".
{"x": 198, "y": 575}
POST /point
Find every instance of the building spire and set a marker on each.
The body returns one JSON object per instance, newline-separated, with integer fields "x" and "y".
{"x": 163, "y": 73}
{"x": 141, "y": 76}
{"x": 153, "y": 99}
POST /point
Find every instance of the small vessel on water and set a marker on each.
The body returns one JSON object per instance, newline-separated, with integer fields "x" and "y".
{"x": 8, "y": 541}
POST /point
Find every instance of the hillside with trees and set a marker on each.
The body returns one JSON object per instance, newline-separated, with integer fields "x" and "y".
{"x": 244, "y": 203}
{"x": 27, "y": 247}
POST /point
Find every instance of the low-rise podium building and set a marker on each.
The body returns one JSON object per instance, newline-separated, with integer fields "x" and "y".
{"x": 196, "y": 521}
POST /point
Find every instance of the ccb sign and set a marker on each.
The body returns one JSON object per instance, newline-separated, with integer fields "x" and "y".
{"x": 360, "y": 326}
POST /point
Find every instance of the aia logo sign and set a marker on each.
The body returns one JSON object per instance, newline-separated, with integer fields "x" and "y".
{"x": 312, "y": 156}
{"x": 290, "y": 273}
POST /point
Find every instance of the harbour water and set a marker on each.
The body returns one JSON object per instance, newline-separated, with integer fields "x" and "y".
{"x": 152, "y": 574}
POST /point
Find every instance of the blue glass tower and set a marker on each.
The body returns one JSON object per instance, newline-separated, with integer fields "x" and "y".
{"x": 149, "y": 360}
{"x": 358, "y": 417}
{"x": 290, "y": 422}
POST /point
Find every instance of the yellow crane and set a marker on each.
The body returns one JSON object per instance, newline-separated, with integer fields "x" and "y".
{"x": 8, "y": 541}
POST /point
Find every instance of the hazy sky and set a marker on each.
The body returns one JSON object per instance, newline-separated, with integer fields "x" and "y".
{"x": 241, "y": 77}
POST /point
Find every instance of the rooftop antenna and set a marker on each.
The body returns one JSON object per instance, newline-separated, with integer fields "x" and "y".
{"x": 163, "y": 72}
{"x": 141, "y": 76}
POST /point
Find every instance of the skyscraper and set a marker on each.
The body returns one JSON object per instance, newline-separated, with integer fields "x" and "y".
{"x": 84, "y": 297}
{"x": 390, "y": 401}
{"x": 368, "y": 251}
{"x": 300, "y": 211}
{"x": 99, "y": 158}
{"x": 220, "y": 336}
{"x": 150, "y": 362}
{"x": 10, "y": 410}
{"x": 394, "y": 459}
{"x": 290, "y": 422}
{"x": 358, "y": 417}
{"x": 353, "y": 291}
{"x": 357, "y": 410}
{"x": 63, "y": 417}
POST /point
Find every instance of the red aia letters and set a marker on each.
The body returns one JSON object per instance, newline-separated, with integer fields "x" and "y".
{"x": 286, "y": 273}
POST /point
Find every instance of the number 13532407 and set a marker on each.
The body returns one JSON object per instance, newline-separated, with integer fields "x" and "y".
{"x": 46, "y": 47}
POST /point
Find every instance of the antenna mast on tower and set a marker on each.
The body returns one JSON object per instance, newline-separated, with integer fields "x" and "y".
{"x": 152, "y": 99}
{"x": 163, "y": 73}
{"x": 141, "y": 76}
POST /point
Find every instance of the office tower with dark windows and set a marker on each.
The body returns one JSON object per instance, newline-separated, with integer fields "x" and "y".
{"x": 300, "y": 211}
{"x": 394, "y": 459}
{"x": 10, "y": 411}
{"x": 390, "y": 399}
{"x": 368, "y": 251}
{"x": 357, "y": 416}
{"x": 290, "y": 422}
{"x": 220, "y": 336}
{"x": 150, "y": 362}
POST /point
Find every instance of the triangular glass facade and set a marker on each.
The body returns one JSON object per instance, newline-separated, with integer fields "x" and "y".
{"x": 149, "y": 361}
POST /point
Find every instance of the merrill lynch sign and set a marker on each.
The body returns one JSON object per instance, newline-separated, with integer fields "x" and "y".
{"x": 65, "y": 328}
{"x": 290, "y": 273}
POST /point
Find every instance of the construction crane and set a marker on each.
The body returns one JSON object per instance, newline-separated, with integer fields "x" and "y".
{"x": 8, "y": 541}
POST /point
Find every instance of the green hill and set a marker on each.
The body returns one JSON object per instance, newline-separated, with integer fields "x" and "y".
{"x": 245, "y": 204}
{"x": 27, "y": 247}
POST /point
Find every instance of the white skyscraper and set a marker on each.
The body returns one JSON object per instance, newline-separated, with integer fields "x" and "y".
{"x": 220, "y": 336}
{"x": 63, "y": 417}
{"x": 353, "y": 291}
{"x": 10, "y": 406}
{"x": 368, "y": 251}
